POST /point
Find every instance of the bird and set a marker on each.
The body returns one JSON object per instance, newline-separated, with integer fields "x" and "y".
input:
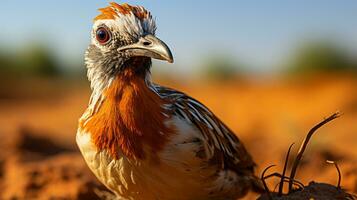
{"x": 144, "y": 141}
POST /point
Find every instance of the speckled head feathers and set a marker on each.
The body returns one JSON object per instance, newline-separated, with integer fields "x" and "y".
{"x": 120, "y": 35}
{"x": 130, "y": 21}
{"x": 115, "y": 10}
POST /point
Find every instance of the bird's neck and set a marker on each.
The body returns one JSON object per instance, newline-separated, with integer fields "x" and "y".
{"x": 129, "y": 117}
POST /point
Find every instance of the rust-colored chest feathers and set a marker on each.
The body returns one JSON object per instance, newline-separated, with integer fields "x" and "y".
{"x": 130, "y": 116}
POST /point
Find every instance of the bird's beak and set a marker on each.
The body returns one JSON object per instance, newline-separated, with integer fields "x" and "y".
{"x": 149, "y": 46}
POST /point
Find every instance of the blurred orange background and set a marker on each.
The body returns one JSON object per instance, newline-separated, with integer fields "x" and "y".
{"x": 270, "y": 73}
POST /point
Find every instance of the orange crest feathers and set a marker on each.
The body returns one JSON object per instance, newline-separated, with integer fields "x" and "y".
{"x": 113, "y": 11}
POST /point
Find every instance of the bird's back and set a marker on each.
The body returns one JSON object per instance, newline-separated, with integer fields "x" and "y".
{"x": 218, "y": 147}
{"x": 221, "y": 144}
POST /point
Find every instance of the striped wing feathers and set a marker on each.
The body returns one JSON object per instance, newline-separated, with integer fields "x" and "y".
{"x": 221, "y": 144}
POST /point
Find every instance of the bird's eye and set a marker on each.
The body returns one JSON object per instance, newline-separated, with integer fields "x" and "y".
{"x": 103, "y": 35}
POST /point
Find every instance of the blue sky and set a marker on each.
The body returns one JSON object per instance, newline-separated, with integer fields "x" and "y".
{"x": 256, "y": 32}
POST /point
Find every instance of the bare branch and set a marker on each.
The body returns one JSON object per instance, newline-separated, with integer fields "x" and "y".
{"x": 338, "y": 171}
{"x": 281, "y": 185}
{"x": 304, "y": 145}
{"x": 264, "y": 183}
{"x": 284, "y": 177}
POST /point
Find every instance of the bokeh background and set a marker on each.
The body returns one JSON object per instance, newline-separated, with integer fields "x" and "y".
{"x": 269, "y": 70}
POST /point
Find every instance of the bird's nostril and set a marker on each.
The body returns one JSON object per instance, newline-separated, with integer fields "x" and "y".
{"x": 146, "y": 43}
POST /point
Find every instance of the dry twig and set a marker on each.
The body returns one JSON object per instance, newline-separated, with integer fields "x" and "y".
{"x": 338, "y": 171}
{"x": 304, "y": 145}
{"x": 281, "y": 184}
{"x": 264, "y": 183}
{"x": 285, "y": 178}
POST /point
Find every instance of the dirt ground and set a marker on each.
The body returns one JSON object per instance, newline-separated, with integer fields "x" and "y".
{"x": 38, "y": 122}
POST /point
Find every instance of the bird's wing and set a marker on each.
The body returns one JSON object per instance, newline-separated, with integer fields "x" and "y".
{"x": 221, "y": 144}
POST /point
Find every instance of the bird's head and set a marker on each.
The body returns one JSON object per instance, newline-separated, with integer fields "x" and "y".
{"x": 123, "y": 35}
